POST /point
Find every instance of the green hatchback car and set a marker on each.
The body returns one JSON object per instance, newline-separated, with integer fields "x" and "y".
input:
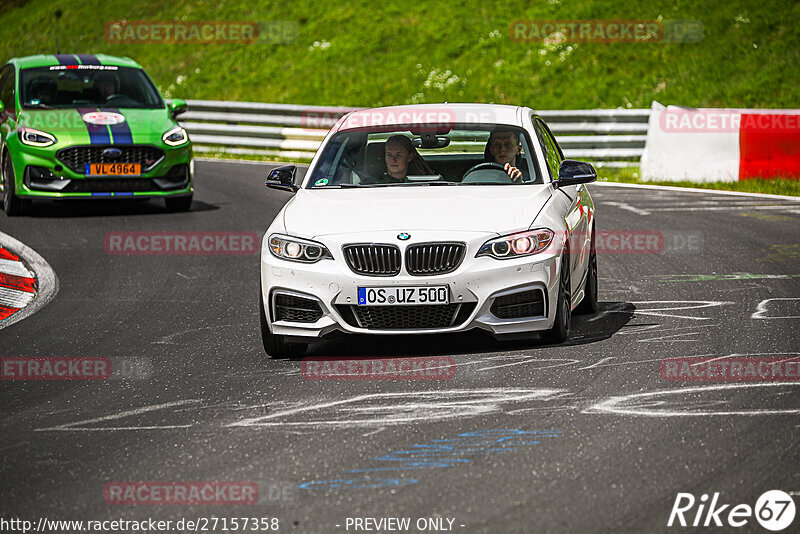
{"x": 89, "y": 126}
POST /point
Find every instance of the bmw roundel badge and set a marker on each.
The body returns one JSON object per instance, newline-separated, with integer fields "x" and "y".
{"x": 404, "y": 236}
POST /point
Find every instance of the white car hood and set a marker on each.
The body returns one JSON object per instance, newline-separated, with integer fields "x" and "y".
{"x": 494, "y": 209}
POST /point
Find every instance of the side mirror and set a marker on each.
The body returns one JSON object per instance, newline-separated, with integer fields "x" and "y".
{"x": 176, "y": 107}
{"x": 572, "y": 172}
{"x": 282, "y": 178}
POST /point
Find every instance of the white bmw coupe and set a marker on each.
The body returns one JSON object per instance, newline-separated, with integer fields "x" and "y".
{"x": 430, "y": 219}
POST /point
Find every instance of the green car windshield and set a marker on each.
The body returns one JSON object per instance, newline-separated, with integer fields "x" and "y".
{"x": 64, "y": 87}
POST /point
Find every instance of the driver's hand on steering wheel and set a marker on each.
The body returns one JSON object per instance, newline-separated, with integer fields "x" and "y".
{"x": 514, "y": 173}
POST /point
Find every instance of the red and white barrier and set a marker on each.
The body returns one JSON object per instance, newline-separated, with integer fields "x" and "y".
{"x": 709, "y": 144}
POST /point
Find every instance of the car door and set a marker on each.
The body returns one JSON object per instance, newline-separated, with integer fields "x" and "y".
{"x": 8, "y": 111}
{"x": 576, "y": 214}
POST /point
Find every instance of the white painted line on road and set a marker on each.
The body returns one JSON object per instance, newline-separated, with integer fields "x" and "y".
{"x": 696, "y": 190}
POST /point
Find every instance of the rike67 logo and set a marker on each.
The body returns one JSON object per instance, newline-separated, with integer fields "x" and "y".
{"x": 774, "y": 510}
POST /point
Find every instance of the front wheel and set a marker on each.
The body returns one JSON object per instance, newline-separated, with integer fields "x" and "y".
{"x": 560, "y": 330}
{"x": 274, "y": 345}
{"x": 589, "y": 302}
{"x": 12, "y": 204}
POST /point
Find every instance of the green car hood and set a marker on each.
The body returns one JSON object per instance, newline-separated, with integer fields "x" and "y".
{"x": 140, "y": 126}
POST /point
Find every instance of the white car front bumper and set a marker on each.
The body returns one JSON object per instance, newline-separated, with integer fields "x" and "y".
{"x": 474, "y": 285}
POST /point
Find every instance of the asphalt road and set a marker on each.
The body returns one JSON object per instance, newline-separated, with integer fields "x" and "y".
{"x": 593, "y": 438}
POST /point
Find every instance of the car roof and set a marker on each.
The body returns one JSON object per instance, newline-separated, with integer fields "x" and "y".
{"x": 49, "y": 60}
{"x": 431, "y": 113}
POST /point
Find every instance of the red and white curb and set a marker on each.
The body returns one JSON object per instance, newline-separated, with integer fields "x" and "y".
{"x": 27, "y": 282}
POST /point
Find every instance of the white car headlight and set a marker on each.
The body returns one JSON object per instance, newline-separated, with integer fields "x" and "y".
{"x": 36, "y": 138}
{"x": 296, "y": 249}
{"x": 176, "y": 136}
{"x": 517, "y": 245}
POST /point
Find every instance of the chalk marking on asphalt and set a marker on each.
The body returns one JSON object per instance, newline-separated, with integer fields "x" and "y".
{"x": 626, "y": 404}
{"x": 119, "y": 415}
{"x": 665, "y": 339}
{"x": 761, "y": 309}
{"x": 618, "y": 307}
{"x": 529, "y": 360}
{"x": 373, "y": 432}
{"x": 658, "y": 312}
{"x": 627, "y": 207}
{"x": 47, "y": 281}
{"x": 413, "y": 406}
{"x": 167, "y": 340}
{"x": 596, "y": 364}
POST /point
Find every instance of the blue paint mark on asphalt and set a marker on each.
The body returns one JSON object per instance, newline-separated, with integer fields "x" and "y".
{"x": 438, "y": 454}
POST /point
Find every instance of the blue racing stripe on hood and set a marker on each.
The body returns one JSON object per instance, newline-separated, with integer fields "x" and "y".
{"x": 121, "y": 132}
{"x": 88, "y": 59}
{"x": 98, "y": 133}
{"x": 67, "y": 59}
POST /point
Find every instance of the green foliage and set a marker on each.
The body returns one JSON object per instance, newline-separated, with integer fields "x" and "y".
{"x": 381, "y": 53}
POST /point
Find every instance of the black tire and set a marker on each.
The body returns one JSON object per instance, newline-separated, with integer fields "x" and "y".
{"x": 561, "y": 327}
{"x": 274, "y": 345}
{"x": 12, "y": 204}
{"x": 589, "y": 303}
{"x": 176, "y": 204}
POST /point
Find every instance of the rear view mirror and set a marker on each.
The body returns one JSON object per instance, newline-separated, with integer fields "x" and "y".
{"x": 573, "y": 172}
{"x": 429, "y": 140}
{"x": 282, "y": 178}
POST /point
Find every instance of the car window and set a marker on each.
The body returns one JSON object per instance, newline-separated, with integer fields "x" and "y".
{"x": 58, "y": 87}
{"x": 552, "y": 152}
{"x": 358, "y": 157}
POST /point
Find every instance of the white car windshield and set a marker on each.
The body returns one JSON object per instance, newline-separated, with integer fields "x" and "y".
{"x": 470, "y": 155}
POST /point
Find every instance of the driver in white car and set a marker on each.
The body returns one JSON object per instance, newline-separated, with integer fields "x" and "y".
{"x": 503, "y": 146}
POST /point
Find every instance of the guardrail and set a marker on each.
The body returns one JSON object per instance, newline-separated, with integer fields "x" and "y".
{"x": 607, "y": 137}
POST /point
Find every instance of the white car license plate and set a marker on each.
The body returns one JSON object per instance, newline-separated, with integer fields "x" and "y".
{"x": 403, "y": 296}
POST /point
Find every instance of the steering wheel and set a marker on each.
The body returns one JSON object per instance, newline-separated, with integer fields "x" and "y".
{"x": 489, "y": 165}
{"x": 365, "y": 178}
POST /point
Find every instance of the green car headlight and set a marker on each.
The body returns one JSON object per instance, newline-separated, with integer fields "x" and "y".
{"x": 176, "y": 136}
{"x": 296, "y": 249}
{"x": 517, "y": 245}
{"x": 36, "y": 138}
